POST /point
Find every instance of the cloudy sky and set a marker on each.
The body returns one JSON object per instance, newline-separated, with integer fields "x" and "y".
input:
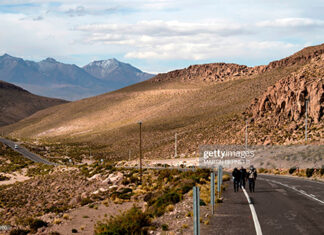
{"x": 160, "y": 35}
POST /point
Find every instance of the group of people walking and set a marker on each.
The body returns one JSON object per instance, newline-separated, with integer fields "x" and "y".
{"x": 240, "y": 176}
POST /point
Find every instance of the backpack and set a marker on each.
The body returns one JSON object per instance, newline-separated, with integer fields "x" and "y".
{"x": 252, "y": 173}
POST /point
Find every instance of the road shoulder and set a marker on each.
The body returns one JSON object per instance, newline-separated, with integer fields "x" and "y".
{"x": 233, "y": 216}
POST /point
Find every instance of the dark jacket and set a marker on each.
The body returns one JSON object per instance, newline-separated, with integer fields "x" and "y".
{"x": 243, "y": 174}
{"x": 236, "y": 174}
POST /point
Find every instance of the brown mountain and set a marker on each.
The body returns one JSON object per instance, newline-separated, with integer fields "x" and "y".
{"x": 204, "y": 104}
{"x": 217, "y": 72}
{"x": 17, "y": 103}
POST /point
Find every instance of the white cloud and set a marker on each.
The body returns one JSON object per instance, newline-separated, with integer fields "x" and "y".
{"x": 23, "y": 35}
{"x": 159, "y": 30}
{"x": 291, "y": 22}
{"x": 221, "y": 49}
{"x": 183, "y": 40}
{"x": 168, "y": 28}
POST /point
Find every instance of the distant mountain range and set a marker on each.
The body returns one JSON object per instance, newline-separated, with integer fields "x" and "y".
{"x": 17, "y": 103}
{"x": 54, "y": 79}
{"x": 112, "y": 70}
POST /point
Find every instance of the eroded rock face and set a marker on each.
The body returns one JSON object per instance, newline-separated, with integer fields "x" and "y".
{"x": 283, "y": 106}
{"x": 287, "y": 98}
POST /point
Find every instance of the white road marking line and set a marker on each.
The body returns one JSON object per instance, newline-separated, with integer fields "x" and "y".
{"x": 298, "y": 190}
{"x": 298, "y": 179}
{"x": 254, "y": 214}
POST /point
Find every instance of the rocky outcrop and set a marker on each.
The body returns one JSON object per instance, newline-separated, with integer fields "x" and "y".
{"x": 205, "y": 72}
{"x": 300, "y": 57}
{"x": 287, "y": 98}
{"x": 218, "y": 72}
{"x": 284, "y": 104}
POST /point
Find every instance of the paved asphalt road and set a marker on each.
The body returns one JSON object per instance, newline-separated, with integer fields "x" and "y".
{"x": 284, "y": 205}
{"x": 25, "y": 152}
{"x": 287, "y": 205}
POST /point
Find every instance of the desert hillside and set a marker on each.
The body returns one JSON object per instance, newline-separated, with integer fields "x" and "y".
{"x": 204, "y": 104}
{"x": 17, "y": 103}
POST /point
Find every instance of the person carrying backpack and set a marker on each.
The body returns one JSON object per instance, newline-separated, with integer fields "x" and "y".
{"x": 252, "y": 175}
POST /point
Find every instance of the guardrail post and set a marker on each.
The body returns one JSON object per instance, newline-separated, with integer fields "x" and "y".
{"x": 219, "y": 180}
{"x": 212, "y": 190}
{"x": 196, "y": 215}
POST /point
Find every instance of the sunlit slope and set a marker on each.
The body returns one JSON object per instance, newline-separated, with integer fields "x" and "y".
{"x": 201, "y": 112}
{"x": 196, "y": 110}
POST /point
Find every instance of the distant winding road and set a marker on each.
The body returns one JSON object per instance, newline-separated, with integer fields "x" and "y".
{"x": 23, "y": 151}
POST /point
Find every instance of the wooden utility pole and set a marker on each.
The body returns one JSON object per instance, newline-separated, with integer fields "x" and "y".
{"x": 140, "y": 147}
{"x": 175, "y": 146}
{"x": 306, "y": 117}
{"x": 246, "y": 134}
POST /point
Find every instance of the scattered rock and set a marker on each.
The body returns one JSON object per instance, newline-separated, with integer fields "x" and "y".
{"x": 114, "y": 178}
{"x": 113, "y": 187}
{"x": 95, "y": 177}
{"x": 84, "y": 195}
